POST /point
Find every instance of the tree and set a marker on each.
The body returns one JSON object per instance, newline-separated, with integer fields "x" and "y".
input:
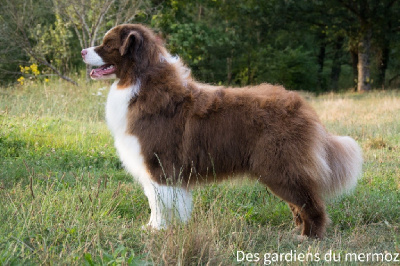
{"x": 304, "y": 44}
{"x": 386, "y": 34}
{"x": 19, "y": 33}
{"x": 239, "y": 42}
{"x": 367, "y": 13}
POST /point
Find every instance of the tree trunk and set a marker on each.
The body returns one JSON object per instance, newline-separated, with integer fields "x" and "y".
{"x": 336, "y": 63}
{"x": 354, "y": 64}
{"x": 364, "y": 47}
{"x": 383, "y": 64}
{"x": 385, "y": 45}
{"x": 321, "y": 60}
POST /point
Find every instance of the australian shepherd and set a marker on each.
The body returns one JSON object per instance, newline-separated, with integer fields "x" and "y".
{"x": 172, "y": 133}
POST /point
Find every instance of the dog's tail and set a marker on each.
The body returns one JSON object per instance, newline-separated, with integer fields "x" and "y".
{"x": 344, "y": 158}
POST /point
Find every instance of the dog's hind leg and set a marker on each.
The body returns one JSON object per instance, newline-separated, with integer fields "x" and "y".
{"x": 296, "y": 215}
{"x": 314, "y": 216}
{"x": 306, "y": 205}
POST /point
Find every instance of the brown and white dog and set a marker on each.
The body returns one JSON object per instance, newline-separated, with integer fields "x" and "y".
{"x": 172, "y": 133}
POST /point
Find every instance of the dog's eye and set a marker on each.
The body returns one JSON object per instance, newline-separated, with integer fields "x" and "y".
{"x": 108, "y": 47}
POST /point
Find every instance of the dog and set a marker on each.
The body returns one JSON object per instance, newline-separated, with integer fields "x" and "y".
{"x": 172, "y": 133}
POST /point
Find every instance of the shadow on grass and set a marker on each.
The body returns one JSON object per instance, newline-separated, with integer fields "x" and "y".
{"x": 21, "y": 159}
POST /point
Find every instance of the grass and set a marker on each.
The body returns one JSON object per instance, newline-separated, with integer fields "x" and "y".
{"x": 65, "y": 199}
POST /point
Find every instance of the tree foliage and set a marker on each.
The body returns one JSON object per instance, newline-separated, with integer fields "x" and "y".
{"x": 304, "y": 44}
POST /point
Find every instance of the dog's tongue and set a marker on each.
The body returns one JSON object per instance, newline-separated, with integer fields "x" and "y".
{"x": 102, "y": 71}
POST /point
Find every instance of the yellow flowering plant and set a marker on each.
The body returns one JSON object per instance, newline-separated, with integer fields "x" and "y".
{"x": 21, "y": 80}
{"x": 32, "y": 70}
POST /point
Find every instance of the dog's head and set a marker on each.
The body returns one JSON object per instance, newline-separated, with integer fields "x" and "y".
{"x": 126, "y": 53}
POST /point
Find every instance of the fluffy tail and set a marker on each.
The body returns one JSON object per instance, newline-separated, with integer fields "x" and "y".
{"x": 344, "y": 158}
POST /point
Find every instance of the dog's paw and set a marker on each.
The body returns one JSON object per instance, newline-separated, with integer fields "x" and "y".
{"x": 151, "y": 226}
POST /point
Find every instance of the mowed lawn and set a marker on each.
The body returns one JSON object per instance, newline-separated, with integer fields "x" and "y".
{"x": 65, "y": 199}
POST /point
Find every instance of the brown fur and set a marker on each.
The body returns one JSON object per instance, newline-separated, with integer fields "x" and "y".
{"x": 197, "y": 133}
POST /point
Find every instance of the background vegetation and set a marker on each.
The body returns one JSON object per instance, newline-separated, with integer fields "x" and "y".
{"x": 304, "y": 44}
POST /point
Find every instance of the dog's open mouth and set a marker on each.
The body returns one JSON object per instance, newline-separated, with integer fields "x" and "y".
{"x": 102, "y": 71}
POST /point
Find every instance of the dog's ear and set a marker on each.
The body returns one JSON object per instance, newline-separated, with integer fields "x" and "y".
{"x": 132, "y": 42}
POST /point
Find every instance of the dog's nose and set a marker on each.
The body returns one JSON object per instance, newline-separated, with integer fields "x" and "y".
{"x": 83, "y": 52}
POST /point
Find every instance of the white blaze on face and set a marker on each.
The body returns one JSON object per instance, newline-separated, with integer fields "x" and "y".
{"x": 93, "y": 58}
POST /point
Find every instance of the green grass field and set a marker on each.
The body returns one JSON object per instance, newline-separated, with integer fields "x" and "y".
{"x": 65, "y": 199}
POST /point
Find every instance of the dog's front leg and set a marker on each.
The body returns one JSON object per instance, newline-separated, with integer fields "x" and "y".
{"x": 167, "y": 204}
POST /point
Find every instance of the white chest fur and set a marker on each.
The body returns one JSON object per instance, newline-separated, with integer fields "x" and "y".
{"x": 164, "y": 201}
{"x": 117, "y": 108}
{"x": 128, "y": 146}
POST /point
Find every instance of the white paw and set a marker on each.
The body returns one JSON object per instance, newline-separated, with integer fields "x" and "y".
{"x": 154, "y": 225}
